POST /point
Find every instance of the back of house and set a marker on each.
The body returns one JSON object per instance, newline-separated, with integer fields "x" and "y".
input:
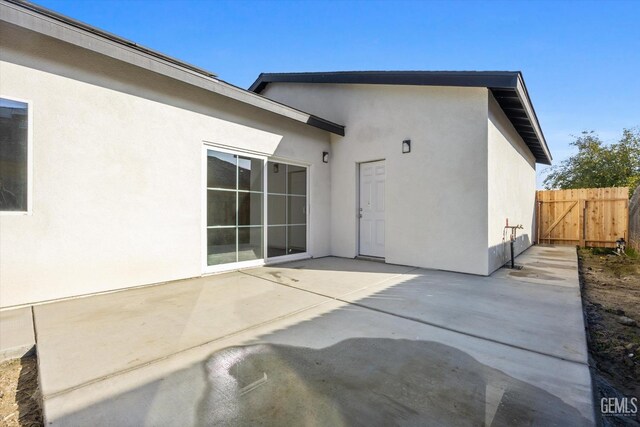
{"x": 122, "y": 167}
{"x": 454, "y": 156}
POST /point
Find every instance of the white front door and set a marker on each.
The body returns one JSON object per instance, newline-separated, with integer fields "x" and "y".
{"x": 372, "y": 182}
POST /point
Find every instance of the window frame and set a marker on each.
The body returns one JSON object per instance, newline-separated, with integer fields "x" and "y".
{"x": 218, "y": 268}
{"x": 221, "y": 268}
{"x": 301, "y": 255}
{"x": 29, "y": 210}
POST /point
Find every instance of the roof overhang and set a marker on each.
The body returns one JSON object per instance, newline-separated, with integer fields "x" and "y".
{"x": 507, "y": 87}
{"x": 49, "y": 23}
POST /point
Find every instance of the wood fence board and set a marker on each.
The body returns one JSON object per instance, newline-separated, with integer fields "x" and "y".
{"x": 634, "y": 220}
{"x": 586, "y": 216}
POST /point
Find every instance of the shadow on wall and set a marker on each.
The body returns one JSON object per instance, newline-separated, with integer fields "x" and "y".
{"x": 500, "y": 254}
{"x": 359, "y": 381}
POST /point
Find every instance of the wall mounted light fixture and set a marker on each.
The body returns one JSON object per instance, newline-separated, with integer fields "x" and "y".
{"x": 276, "y": 168}
{"x": 325, "y": 157}
{"x": 406, "y": 146}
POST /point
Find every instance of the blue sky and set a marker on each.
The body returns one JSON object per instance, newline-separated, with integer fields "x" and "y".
{"x": 580, "y": 59}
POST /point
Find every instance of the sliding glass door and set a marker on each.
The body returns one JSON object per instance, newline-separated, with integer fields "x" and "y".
{"x": 287, "y": 209}
{"x": 235, "y": 210}
{"x": 235, "y": 219}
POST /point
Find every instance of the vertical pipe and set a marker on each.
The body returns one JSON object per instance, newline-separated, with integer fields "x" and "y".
{"x": 512, "y": 258}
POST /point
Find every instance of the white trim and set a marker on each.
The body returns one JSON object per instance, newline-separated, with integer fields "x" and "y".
{"x": 231, "y": 189}
{"x": 29, "y": 210}
{"x": 219, "y": 268}
{"x": 230, "y": 149}
{"x": 357, "y": 210}
{"x": 203, "y": 209}
{"x": 265, "y": 208}
{"x": 280, "y": 194}
{"x": 213, "y": 269}
{"x": 287, "y": 258}
{"x": 289, "y": 161}
{"x": 302, "y": 255}
{"x": 357, "y": 218}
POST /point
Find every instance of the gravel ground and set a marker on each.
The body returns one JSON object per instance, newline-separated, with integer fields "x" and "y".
{"x": 19, "y": 393}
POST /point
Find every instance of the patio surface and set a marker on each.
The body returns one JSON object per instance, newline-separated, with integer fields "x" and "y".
{"x": 328, "y": 341}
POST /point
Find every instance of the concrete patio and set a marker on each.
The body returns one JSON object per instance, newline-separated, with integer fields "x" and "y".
{"x": 327, "y": 341}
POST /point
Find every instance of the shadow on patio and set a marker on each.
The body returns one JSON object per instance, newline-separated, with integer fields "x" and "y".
{"x": 395, "y": 346}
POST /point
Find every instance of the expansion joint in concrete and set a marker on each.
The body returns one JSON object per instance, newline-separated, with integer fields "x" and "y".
{"x": 424, "y": 322}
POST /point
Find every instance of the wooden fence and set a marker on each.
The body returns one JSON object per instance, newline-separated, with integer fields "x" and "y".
{"x": 586, "y": 217}
{"x": 634, "y": 220}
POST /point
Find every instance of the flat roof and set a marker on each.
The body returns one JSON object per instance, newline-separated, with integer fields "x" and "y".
{"x": 47, "y": 22}
{"x": 507, "y": 87}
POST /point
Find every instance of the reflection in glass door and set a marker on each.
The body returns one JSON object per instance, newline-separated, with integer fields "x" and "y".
{"x": 235, "y": 191}
{"x": 287, "y": 209}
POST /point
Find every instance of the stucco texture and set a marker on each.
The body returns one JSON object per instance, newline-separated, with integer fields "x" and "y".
{"x": 436, "y": 196}
{"x": 512, "y": 183}
{"x": 117, "y": 171}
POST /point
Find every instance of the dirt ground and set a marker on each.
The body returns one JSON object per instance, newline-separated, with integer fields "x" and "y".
{"x": 611, "y": 300}
{"x": 19, "y": 393}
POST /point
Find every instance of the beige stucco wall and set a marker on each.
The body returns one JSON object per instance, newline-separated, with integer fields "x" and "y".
{"x": 117, "y": 194}
{"x": 436, "y": 196}
{"x": 511, "y": 189}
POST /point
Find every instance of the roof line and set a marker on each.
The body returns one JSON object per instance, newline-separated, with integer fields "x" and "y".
{"x": 49, "y": 23}
{"x": 507, "y": 87}
{"x": 497, "y": 79}
{"x": 107, "y": 35}
{"x": 535, "y": 116}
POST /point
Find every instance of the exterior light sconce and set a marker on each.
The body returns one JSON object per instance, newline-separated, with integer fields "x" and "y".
{"x": 325, "y": 157}
{"x": 276, "y": 168}
{"x": 406, "y": 146}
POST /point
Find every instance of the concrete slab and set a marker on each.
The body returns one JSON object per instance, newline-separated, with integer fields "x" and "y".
{"x": 545, "y": 265}
{"x": 16, "y": 333}
{"x": 371, "y": 351}
{"x": 331, "y": 276}
{"x": 510, "y": 306}
{"x": 541, "y": 318}
{"x": 84, "y": 339}
{"x": 336, "y": 364}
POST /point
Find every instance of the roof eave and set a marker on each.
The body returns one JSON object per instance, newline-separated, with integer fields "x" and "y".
{"x": 509, "y": 83}
{"x": 43, "y": 21}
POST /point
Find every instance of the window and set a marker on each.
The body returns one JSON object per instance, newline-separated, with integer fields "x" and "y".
{"x": 287, "y": 209}
{"x": 235, "y": 191}
{"x": 14, "y": 156}
{"x": 238, "y": 191}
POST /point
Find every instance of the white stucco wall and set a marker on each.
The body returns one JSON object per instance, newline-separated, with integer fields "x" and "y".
{"x": 117, "y": 194}
{"x": 436, "y": 196}
{"x": 512, "y": 186}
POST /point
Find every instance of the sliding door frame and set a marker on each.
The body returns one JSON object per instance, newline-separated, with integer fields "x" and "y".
{"x": 206, "y": 268}
{"x": 305, "y": 254}
{"x": 211, "y": 269}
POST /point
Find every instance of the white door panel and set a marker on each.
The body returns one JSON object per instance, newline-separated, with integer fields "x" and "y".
{"x": 372, "y": 198}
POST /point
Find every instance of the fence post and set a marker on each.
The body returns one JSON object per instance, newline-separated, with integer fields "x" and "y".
{"x": 582, "y": 222}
